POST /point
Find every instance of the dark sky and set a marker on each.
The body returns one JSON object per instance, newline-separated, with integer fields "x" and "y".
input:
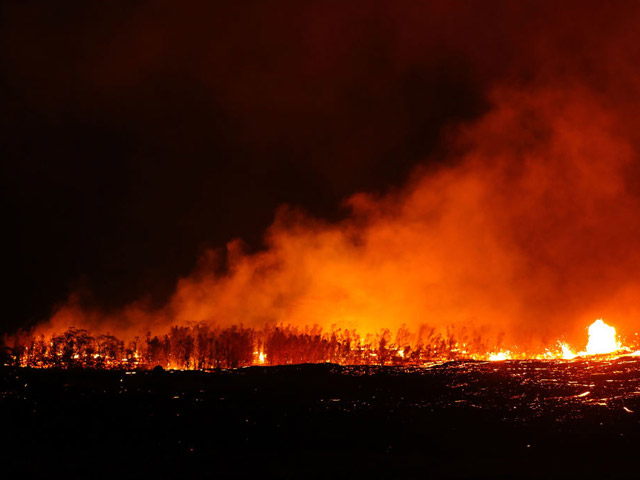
{"x": 136, "y": 134}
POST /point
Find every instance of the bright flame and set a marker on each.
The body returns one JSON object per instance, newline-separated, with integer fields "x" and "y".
{"x": 262, "y": 357}
{"x": 567, "y": 353}
{"x": 602, "y": 339}
{"x": 497, "y": 357}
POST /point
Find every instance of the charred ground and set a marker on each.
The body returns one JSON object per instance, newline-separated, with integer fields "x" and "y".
{"x": 515, "y": 419}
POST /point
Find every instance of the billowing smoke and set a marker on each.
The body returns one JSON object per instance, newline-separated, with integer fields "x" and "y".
{"x": 526, "y": 228}
{"x": 533, "y": 232}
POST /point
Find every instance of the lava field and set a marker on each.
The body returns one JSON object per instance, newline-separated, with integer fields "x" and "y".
{"x": 511, "y": 419}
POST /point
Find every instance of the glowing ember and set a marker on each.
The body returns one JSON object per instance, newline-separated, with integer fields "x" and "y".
{"x": 602, "y": 339}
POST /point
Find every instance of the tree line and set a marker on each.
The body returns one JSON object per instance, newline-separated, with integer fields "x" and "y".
{"x": 205, "y": 347}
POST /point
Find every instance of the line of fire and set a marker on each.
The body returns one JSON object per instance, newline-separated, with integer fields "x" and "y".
{"x": 201, "y": 347}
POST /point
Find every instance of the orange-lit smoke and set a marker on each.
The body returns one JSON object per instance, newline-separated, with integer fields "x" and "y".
{"x": 529, "y": 233}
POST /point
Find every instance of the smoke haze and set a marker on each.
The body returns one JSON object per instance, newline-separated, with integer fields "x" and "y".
{"x": 442, "y": 164}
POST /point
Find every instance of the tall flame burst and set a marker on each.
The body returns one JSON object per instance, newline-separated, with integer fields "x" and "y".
{"x": 602, "y": 339}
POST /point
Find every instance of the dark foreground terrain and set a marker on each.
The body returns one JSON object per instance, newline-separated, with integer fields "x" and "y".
{"x": 516, "y": 419}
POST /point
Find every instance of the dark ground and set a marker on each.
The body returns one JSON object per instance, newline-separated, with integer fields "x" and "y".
{"x": 520, "y": 419}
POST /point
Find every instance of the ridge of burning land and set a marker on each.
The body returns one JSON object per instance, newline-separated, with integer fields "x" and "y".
{"x": 201, "y": 347}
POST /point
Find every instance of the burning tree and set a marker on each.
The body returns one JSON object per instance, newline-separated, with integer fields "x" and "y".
{"x": 203, "y": 347}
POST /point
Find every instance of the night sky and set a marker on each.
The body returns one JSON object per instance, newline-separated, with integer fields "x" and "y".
{"x": 135, "y": 135}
